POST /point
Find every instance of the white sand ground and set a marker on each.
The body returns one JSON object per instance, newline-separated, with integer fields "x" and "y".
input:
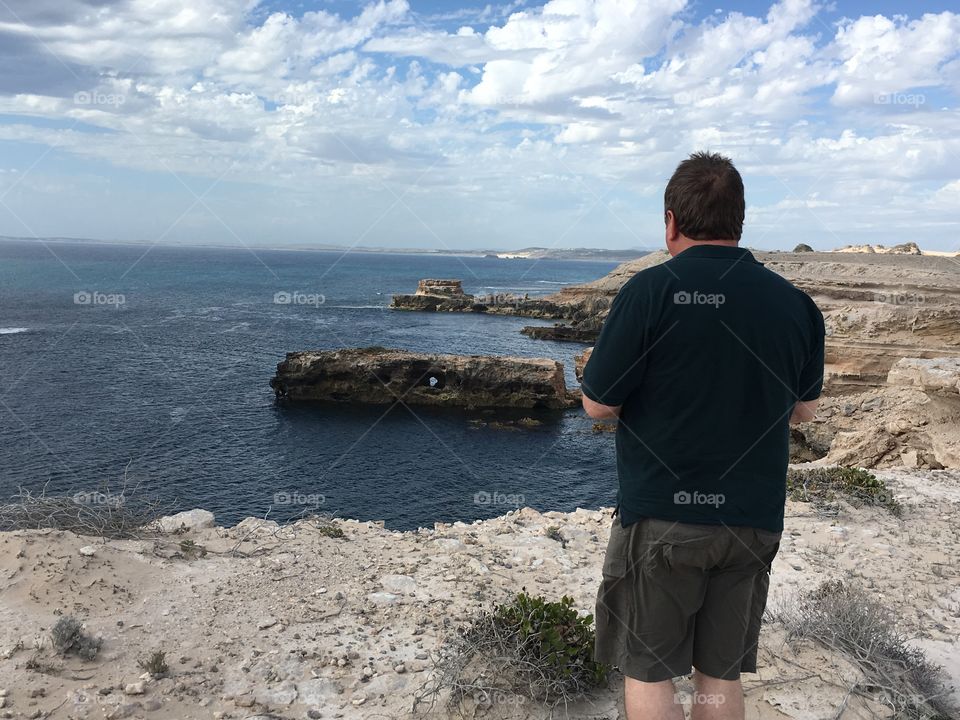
{"x": 284, "y": 622}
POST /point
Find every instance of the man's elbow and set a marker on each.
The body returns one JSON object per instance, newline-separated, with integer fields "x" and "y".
{"x": 804, "y": 411}
{"x": 599, "y": 411}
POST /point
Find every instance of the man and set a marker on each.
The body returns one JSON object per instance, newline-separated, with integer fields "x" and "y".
{"x": 705, "y": 359}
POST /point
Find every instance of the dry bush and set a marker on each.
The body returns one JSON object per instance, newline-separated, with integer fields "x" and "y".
{"x": 69, "y": 638}
{"x": 99, "y": 514}
{"x": 846, "y": 619}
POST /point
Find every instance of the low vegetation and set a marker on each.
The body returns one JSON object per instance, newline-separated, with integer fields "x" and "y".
{"x": 155, "y": 663}
{"x": 97, "y": 514}
{"x": 69, "y": 638}
{"x": 853, "y": 485}
{"x": 844, "y": 618}
{"x": 529, "y": 649}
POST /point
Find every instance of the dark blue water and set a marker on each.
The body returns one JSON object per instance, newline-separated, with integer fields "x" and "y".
{"x": 170, "y": 387}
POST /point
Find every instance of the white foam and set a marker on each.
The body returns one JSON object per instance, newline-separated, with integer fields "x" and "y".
{"x": 12, "y": 330}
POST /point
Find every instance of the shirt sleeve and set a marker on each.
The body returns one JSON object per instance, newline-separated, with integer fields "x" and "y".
{"x": 617, "y": 362}
{"x": 811, "y": 376}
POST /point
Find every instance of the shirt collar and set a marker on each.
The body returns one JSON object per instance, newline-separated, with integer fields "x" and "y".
{"x": 719, "y": 252}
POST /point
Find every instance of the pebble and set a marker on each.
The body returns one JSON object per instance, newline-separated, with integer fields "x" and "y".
{"x": 88, "y": 551}
{"x": 134, "y": 688}
{"x": 400, "y": 668}
{"x": 266, "y": 622}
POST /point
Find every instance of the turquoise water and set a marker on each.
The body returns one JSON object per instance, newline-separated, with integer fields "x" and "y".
{"x": 154, "y": 367}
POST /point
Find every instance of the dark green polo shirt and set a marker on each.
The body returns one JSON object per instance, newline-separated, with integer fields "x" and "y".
{"x": 707, "y": 353}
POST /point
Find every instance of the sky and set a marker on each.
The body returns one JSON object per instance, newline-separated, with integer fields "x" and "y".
{"x": 449, "y": 125}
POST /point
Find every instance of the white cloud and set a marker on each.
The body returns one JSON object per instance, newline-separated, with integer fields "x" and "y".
{"x": 527, "y": 118}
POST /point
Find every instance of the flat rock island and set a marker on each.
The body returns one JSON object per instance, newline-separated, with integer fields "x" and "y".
{"x": 381, "y": 376}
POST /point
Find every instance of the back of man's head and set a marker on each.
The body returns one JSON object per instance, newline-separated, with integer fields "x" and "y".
{"x": 705, "y": 195}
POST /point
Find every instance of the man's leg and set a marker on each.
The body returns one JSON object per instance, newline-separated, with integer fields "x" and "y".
{"x": 716, "y": 699}
{"x": 651, "y": 700}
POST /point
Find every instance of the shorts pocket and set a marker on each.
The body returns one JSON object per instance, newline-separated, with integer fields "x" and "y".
{"x": 616, "y": 561}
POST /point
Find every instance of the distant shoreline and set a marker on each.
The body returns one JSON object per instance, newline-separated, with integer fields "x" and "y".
{"x": 579, "y": 254}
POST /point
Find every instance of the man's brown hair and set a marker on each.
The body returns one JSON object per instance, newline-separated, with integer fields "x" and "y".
{"x": 706, "y": 197}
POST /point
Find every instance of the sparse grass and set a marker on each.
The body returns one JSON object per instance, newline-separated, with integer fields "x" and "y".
{"x": 69, "y": 638}
{"x": 155, "y": 663}
{"x": 844, "y": 618}
{"x": 856, "y": 486}
{"x": 527, "y": 650}
{"x": 553, "y": 532}
{"x": 192, "y": 550}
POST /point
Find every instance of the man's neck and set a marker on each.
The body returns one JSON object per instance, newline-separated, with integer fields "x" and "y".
{"x": 684, "y": 243}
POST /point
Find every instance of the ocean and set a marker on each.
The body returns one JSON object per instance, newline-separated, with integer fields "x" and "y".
{"x": 148, "y": 369}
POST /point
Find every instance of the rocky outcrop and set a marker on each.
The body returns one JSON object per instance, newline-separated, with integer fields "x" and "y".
{"x": 908, "y": 248}
{"x": 561, "y": 332}
{"x": 381, "y": 376}
{"x": 583, "y": 315}
{"x": 934, "y": 374}
{"x": 443, "y": 288}
{"x": 913, "y": 422}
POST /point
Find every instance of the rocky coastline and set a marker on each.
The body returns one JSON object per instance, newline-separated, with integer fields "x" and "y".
{"x": 262, "y": 620}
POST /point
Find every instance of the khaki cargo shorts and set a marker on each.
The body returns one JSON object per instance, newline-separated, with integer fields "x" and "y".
{"x": 679, "y": 595}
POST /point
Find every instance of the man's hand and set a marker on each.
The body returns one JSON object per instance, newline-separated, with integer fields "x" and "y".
{"x": 803, "y": 411}
{"x": 599, "y": 411}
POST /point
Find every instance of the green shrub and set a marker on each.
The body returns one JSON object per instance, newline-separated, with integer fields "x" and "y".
{"x": 854, "y": 485}
{"x": 528, "y": 648}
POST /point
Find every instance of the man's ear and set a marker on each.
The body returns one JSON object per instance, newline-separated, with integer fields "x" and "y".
{"x": 671, "y": 231}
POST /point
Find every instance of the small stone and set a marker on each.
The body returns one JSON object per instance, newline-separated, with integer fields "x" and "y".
{"x": 88, "y": 551}
{"x": 135, "y": 688}
{"x": 400, "y": 668}
{"x": 243, "y": 701}
{"x": 368, "y": 671}
{"x": 266, "y": 622}
{"x": 357, "y": 702}
{"x": 151, "y": 705}
{"x": 313, "y": 714}
{"x": 383, "y": 598}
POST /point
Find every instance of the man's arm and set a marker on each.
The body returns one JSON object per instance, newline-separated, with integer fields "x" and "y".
{"x": 600, "y": 411}
{"x": 803, "y": 411}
